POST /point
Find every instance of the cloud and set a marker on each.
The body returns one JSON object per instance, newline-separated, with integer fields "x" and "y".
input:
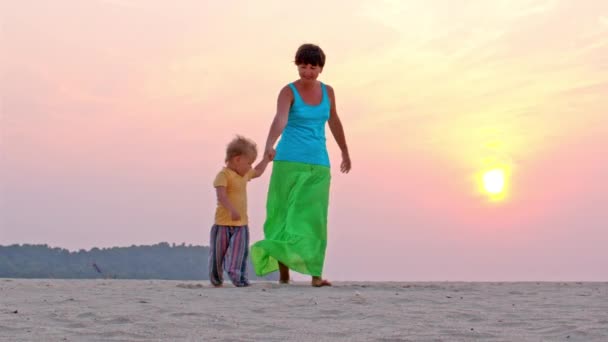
{"x": 124, "y": 3}
{"x": 603, "y": 21}
{"x": 533, "y": 8}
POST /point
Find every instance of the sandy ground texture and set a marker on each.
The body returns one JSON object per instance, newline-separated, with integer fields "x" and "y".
{"x": 157, "y": 310}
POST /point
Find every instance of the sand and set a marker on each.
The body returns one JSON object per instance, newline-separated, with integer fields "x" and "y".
{"x": 158, "y": 310}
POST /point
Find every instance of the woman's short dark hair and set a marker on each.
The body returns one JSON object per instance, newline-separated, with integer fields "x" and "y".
{"x": 310, "y": 54}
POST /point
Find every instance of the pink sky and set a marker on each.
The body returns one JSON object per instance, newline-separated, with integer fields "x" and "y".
{"x": 114, "y": 117}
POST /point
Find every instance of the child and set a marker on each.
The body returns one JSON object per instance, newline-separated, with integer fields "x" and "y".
{"x": 229, "y": 245}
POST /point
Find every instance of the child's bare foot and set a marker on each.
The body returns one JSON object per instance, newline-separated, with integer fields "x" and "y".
{"x": 218, "y": 285}
{"x": 319, "y": 282}
{"x": 284, "y": 274}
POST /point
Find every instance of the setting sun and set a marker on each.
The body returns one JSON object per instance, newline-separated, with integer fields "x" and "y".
{"x": 494, "y": 181}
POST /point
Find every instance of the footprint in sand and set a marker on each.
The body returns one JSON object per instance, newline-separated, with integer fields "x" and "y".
{"x": 87, "y": 315}
{"x": 190, "y": 286}
{"x": 186, "y": 314}
{"x": 77, "y": 326}
{"x": 358, "y": 298}
{"x": 118, "y": 320}
{"x": 332, "y": 312}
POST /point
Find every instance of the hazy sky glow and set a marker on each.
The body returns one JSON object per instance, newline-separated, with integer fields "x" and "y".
{"x": 114, "y": 116}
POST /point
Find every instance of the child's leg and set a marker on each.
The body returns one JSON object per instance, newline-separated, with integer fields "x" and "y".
{"x": 218, "y": 244}
{"x": 237, "y": 256}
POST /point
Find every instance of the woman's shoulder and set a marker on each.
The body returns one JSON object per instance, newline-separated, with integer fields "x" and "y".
{"x": 287, "y": 87}
{"x": 329, "y": 88}
{"x": 287, "y": 91}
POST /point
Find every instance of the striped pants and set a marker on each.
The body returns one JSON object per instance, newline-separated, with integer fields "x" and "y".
{"x": 229, "y": 248}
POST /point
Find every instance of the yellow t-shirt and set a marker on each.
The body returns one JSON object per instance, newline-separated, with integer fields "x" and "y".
{"x": 236, "y": 188}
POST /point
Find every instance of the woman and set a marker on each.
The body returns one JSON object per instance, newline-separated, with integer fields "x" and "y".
{"x": 295, "y": 231}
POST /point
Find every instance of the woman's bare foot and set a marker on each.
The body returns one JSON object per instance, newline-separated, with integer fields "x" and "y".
{"x": 319, "y": 282}
{"x": 284, "y": 274}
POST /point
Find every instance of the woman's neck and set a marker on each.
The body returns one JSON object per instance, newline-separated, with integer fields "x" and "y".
{"x": 307, "y": 84}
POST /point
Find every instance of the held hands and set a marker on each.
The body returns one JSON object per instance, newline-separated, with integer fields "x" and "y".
{"x": 345, "y": 166}
{"x": 269, "y": 153}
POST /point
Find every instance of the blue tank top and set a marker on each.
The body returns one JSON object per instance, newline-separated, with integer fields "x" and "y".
{"x": 303, "y": 139}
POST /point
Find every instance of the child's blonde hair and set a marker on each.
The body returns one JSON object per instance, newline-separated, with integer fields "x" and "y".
{"x": 241, "y": 146}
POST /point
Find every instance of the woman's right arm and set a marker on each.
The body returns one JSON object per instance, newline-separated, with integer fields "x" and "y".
{"x": 280, "y": 120}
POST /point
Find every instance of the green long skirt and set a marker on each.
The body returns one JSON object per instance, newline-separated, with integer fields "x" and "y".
{"x": 295, "y": 231}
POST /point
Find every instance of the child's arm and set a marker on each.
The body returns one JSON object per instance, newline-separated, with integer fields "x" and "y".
{"x": 222, "y": 197}
{"x": 261, "y": 167}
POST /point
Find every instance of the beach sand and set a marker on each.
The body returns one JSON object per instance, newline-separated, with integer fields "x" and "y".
{"x": 158, "y": 310}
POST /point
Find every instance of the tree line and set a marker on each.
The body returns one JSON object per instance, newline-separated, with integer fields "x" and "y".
{"x": 159, "y": 261}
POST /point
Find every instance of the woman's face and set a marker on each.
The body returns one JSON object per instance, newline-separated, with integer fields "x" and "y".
{"x": 309, "y": 72}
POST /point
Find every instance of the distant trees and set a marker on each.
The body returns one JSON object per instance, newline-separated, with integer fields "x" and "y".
{"x": 160, "y": 261}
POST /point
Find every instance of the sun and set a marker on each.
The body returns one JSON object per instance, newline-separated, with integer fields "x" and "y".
{"x": 494, "y": 181}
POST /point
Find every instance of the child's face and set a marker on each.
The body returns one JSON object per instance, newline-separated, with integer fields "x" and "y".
{"x": 242, "y": 164}
{"x": 309, "y": 72}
